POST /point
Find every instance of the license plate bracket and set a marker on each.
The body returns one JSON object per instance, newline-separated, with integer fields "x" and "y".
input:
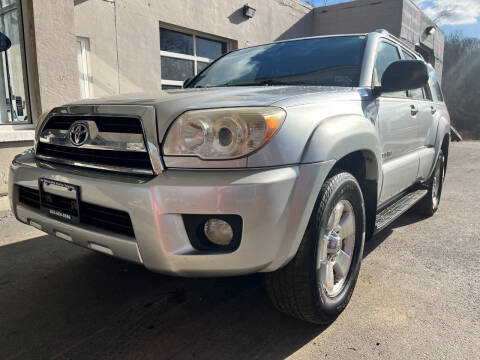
{"x": 60, "y": 200}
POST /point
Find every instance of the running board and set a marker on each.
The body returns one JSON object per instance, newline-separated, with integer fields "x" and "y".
{"x": 397, "y": 209}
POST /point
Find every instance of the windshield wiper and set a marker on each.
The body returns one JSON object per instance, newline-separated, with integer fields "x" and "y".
{"x": 272, "y": 82}
{"x": 266, "y": 82}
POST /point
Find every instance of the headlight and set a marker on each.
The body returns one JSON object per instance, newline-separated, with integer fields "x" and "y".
{"x": 222, "y": 133}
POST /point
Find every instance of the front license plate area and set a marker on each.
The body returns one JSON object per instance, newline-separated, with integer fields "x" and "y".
{"x": 59, "y": 200}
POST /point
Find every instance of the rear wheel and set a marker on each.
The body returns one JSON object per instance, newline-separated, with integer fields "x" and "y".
{"x": 429, "y": 204}
{"x": 318, "y": 282}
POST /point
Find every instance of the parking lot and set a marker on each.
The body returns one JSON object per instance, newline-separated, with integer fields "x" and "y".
{"x": 418, "y": 297}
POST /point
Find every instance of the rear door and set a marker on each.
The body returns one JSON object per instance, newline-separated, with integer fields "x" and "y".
{"x": 439, "y": 115}
{"x": 398, "y": 128}
{"x": 426, "y": 124}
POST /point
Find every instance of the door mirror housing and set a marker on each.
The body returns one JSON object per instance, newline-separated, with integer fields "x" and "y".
{"x": 5, "y": 42}
{"x": 187, "y": 81}
{"x": 403, "y": 75}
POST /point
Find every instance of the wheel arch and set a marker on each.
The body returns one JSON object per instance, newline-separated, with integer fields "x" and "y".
{"x": 442, "y": 143}
{"x": 363, "y": 165}
{"x": 341, "y": 138}
{"x": 353, "y": 142}
{"x": 349, "y": 143}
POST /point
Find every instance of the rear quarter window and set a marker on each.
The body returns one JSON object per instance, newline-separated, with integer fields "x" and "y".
{"x": 438, "y": 90}
{"x": 418, "y": 94}
{"x": 435, "y": 87}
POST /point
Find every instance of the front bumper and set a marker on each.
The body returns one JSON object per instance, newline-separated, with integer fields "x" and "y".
{"x": 274, "y": 203}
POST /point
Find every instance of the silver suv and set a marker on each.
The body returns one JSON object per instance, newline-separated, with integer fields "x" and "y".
{"x": 280, "y": 158}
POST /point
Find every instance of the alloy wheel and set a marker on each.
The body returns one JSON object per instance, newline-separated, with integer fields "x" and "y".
{"x": 335, "y": 249}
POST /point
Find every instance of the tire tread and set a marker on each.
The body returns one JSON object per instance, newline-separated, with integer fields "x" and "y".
{"x": 289, "y": 288}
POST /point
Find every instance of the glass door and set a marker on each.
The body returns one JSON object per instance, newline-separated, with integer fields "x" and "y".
{"x": 13, "y": 94}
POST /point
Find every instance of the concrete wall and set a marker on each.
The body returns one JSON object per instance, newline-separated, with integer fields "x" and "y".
{"x": 136, "y": 24}
{"x": 95, "y": 20}
{"x": 56, "y": 58}
{"x": 361, "y": 16}
{"x": 414, "y": 23}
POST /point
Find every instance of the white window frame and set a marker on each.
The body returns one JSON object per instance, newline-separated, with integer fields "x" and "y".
{"x": 83, "y": 59}
{"x": 194, "y": 58}
{"x": 28, "y": 124}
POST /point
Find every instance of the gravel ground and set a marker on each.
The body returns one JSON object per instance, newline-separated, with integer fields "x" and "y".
{"x": 417, "y": 297}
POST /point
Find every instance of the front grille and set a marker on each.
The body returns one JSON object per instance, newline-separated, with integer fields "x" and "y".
{"x": 104, "y": 124}
{"x": 112, "y": 143}
{"x": 30, "y": 197}
{"x": 121, "y": 159}
{"x": 96, "y": 216}
{"x": 105, "y": 218}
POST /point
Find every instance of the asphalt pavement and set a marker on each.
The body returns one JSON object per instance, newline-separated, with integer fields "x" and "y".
{"x": 417, "y": 297}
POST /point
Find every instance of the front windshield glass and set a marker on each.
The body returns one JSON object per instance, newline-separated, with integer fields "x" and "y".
{"x": 329, "y": 61}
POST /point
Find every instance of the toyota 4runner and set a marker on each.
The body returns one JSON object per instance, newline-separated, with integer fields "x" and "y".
{"x": 280, "y": 158}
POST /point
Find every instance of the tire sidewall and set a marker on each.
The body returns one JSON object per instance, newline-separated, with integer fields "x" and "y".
{"x": 440, "y": 163}
{"x": 348, "y": 189}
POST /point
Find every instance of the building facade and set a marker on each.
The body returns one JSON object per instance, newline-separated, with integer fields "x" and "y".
{"x": 402, "y": 18}
{"x": 65, "y": 50}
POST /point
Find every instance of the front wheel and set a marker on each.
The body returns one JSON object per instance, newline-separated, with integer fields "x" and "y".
{"x": 318, "y": 282}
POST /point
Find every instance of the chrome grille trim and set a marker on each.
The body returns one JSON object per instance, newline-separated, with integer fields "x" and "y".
{"x": 118, "y": 169}
{"x": 97, "y": 140}
{"x": 125, "y": 142}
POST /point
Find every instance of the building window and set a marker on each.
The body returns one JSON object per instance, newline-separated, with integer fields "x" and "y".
{"x": 184, "y": 55}
{"x": 84, "y": 74}
{"x": 13, "y": 86}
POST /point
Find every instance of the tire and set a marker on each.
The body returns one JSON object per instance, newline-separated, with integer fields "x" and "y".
{"x": 298, "y": 289}
{"x": 430, "y": 202}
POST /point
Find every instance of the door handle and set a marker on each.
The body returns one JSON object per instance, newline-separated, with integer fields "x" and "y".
{"x": 433, "y": 110}
{"x": 413, "y": 110}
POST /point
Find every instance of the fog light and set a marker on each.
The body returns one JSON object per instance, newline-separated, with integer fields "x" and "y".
{"x": 218, "y": 232}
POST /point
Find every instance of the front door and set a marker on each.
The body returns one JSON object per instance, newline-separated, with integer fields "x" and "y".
{"x": 398, "y": 128}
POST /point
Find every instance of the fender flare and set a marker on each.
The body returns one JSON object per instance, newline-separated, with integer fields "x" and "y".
{"x": 340, "y": 135}
{"x": 332, "y": 139}
{"x": 443, "y": 129}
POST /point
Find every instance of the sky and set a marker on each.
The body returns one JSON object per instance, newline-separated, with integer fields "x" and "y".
{"x": 451, "y": 15}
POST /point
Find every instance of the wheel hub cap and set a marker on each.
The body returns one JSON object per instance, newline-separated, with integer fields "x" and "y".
{"x": 335, "y": 250}
{"x": 334, "y": 243}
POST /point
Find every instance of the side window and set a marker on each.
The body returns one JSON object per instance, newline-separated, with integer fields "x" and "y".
{"x": 428, "y": 92}
{"x": 407, "y": 55}
{"x": 418, "y": 94}
{"x": 436, "y": 86}
{"x": 386, "y": 54}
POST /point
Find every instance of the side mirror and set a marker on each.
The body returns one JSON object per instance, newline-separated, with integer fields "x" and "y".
{"x": 5, "y": 42}
{"x": 403, "y": 75}
{"x": 187, "y": 81}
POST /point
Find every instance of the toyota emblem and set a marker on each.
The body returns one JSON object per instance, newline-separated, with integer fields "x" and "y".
{"x": 78, "y": 133}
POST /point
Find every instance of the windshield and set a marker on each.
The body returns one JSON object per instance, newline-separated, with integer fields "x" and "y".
{"x": 329, "y": 61}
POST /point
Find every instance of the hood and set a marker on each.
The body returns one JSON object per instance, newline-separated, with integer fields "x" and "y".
{"x": 170, "y": 104}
